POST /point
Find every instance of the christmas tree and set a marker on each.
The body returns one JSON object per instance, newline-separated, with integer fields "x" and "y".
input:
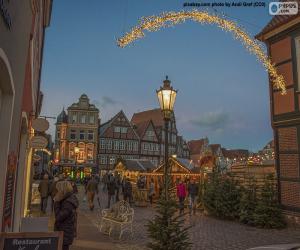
{"x": 167, "y": 230}
{"x": 267, "y": 212}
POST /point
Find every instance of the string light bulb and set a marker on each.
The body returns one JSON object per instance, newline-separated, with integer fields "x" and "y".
{"x": 168, "y": 19}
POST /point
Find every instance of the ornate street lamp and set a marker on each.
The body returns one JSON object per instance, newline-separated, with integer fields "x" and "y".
{"x": 76, "y": 151}
{"x": 166, "y": 97}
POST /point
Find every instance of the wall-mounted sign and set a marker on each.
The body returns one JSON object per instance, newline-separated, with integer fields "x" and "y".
{"x": 9, "y": 192}
{"x": 38, "y": 142}
{"x": 31, "y": 241}
{"x": 40, "y": 124}
{"x": 5, "y": 14}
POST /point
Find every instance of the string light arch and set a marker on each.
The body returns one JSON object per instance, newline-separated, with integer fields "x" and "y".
{"x": 169, "y": 19}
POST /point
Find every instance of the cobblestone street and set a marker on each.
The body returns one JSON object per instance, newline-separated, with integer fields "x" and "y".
{"x": 206, "y": 232}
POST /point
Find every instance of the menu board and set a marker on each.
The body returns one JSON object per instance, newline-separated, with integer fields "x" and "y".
{"x": 31, "y": 241}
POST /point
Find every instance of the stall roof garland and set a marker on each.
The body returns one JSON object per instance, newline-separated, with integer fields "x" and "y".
{"x": 168, "y": 19}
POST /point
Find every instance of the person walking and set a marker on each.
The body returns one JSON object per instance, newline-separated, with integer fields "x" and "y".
{"x": 151, "y": 191}
{"x": 53, "y": 190}
{"x": 192, "y": 193}
{"x": 105, "y": 182}
{"x": 91, "y": 189}
{"x": 44, "y": 192}
{"x": 127, "y": 193}
{"x": 65, "y": 205}
{"x": 118, "y": 185}
{"x": 181, "y": 194}
{"x": 111, "y": 189}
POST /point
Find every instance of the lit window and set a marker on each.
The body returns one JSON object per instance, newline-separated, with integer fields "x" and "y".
{"x": 112, "y": 160}
{"x": 90, "y": 135}
{"x": 81, "y": 135}
{"x": 90, "y": 152}
{"x": 73, "y": 134}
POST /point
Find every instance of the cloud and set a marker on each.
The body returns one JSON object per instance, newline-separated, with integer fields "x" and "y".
{"x": 105, "y": 101}
{"x": 215, "y": 120}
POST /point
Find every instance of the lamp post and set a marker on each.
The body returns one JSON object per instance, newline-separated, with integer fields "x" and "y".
{"x": 76, "y": 150}
{"x": 166, "y": 97}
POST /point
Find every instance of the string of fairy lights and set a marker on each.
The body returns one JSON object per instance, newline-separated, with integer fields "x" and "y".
{"x": 168, "y": 19}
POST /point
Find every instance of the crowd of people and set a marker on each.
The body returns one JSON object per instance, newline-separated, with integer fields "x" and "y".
{"x": 65, "y": 201}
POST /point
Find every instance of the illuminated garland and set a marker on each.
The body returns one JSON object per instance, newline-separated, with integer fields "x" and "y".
{"x": 168, "y": 19}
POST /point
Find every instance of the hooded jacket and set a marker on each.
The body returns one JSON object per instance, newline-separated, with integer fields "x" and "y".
{"x": 66, "y": 217}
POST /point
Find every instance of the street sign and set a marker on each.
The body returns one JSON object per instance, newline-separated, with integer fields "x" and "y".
{"x": 31, "y": 241}
{"x": 38, "y": 142}
{"x": 40, "y": 124}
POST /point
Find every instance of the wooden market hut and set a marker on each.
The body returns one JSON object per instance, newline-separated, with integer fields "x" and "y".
{"x": 133, "y": 168}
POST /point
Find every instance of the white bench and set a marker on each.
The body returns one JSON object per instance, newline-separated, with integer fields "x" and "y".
{"x": 119, "y": 215}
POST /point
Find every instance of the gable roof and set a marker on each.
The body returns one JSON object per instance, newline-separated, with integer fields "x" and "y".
{"x": 187, "y": 164}
{"x": 142, "y": 127}
{"x": 234, "y": 153}
{"x": 195, "y": 146}
{"x": 214, "y": 148}
{"x": 277, "y": 21}
{"x": 154, "y": 114}
{"x": 137, "y": 164}
{"x": 103, "y": 128}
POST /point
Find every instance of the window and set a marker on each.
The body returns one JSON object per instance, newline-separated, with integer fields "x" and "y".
{"x": 116, "y": 145}
{"x": 145, "y": 146}
{"x": 124, "y": 130}
{"x": 74, "y": 118}
{"x": 102, "y": 143}
{"x": 57, "y": 134}
{"x": 81, "y": 135}
{"x": 90, "y": 135}
{"x": 92, "y": 119}
{"x": 122, "y": 145}
{"x": 73, "y": 134}
{"x": 173, "y": 138}
{"x": 112, "y": 160}
{"x": 90, "y": 152}
{"x": 135, "y": 146}
{"x": 150, "y": 133}
{"x": 71, "y": 151}
{"x": 129, "y": 145}
{"x": 117, "y": 129}
{"x": 82, "y": 119}
{"x": 103, "y": 159}
{"x": 109, "y": 144}
{"x": 297, "y": 45}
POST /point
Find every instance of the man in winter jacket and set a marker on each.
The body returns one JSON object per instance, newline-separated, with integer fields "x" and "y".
{"x": 193, "y": 193}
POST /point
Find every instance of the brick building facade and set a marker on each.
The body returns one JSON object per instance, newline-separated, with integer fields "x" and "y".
{"x": 282, "y": 38}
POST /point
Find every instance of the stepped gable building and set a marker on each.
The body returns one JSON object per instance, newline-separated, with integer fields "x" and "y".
{"x": 282, "y": 38}
{"x": 76, "y": 138}
{"x": 176, "y": 145}
{"x": 117, "y": 139}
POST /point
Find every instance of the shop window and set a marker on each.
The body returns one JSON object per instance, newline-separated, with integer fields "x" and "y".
{"x": 90, "y": 152}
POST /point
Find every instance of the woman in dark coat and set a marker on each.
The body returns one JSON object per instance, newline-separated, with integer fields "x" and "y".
{"x": 65, "y": 205}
